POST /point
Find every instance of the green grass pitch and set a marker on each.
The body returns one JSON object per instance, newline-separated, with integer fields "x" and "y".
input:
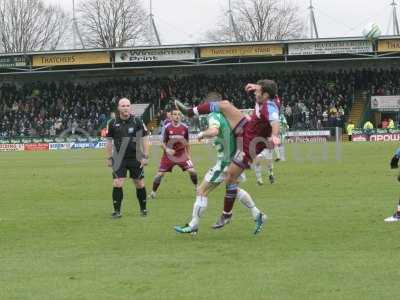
{"x": 325, "y": 237}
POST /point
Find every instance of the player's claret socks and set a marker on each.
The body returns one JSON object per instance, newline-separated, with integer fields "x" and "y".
{"x": 156, "y": 183}
{"x": 201, "y": 109}
{"x": 230, "y": 196}
{"x": 193, "y": 178}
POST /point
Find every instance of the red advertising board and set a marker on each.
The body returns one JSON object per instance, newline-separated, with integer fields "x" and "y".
{"x": 37, "y": 147}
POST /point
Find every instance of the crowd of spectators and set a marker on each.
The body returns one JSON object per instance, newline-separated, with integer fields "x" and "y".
{"x": 50, "y": 108}
{"x": 311, "y": 99}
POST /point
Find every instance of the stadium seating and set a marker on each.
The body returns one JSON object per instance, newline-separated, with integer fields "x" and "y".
{"x": 311, "y": 99}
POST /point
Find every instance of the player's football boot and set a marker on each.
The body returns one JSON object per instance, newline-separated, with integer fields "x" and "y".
{"x": 181, "y": 107}
{"x": 260, "y": 221}
{"x": 394, "y": 218}
{"x": 116, "y": 215}
{"x": 143, "y": 212}
{"x": 271, "y": 179}
{"x": 260, "y": 181}
{"x": 222, "y": 221}
{"x": 186, "y": 229}
{"x": 153, "y": 195}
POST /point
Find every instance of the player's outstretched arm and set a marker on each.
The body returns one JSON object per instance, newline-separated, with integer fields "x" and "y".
{"x": 251, "y": 87}
{"x": 231, "y": 113}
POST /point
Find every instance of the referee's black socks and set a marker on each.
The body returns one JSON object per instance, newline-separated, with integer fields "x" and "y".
{"x": 117, "y": 198}
{"x": 142, "y": 196}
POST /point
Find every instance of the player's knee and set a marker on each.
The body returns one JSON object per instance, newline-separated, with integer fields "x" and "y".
{"x": 230, "y": 178}
{"x": 139, "y": 184}
{"x": 118, "y": 182}
{"x": 201, "y": 191}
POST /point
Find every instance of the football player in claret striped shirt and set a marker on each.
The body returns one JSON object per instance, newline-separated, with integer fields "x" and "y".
{"x": 176, "y": 148}
{"x": 225, "y": 144}
{"x": 252, "y": 135}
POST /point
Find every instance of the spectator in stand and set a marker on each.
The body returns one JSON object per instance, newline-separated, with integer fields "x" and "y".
{"x": 391, "y": 124}
{"x": 385, "y": 123}
{"x": 368, "y": 127}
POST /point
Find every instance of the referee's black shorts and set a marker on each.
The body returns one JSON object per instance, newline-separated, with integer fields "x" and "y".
{"x": 131, "y": 165}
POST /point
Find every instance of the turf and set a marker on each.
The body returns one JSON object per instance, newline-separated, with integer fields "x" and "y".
{"x": 325, "y": 237}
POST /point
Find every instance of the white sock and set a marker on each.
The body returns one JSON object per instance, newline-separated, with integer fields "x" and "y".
{"x": 247, "y": 201}
{"x": 282, "y": 152}
{"x": 277, "y": 152}
{"x": 257, "y": 170}
{"x": 270, "y": 167}
{"x": 195, "y": 111}
{"x": 199, "y": 208}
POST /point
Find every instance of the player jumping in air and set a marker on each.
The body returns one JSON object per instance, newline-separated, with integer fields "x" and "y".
{"x": 176, "y": 151}
{"x": 252, "y": 135}
{"x": 225, "y": 145}
{"x": 394, "y": 164}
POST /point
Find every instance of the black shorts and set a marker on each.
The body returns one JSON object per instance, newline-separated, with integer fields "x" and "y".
{"x": 135, "y": 171}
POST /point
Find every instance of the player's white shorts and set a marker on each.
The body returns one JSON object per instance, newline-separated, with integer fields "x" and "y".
{"x": 266, "y": 154}
{"x": 217, "y": 173}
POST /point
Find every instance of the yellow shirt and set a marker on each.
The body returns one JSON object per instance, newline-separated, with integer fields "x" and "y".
{"x": 350, "y": 128}
{"x": 368, "y": 125}
{"x": 391, "y": 124}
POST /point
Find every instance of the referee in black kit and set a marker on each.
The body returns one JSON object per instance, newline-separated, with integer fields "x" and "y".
{"x": 127, "y": 149}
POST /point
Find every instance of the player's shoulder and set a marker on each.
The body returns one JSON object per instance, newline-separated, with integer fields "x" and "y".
{"x": 273, "y": 110}
{"x": 183, "y": 125}
{"x": 271, "y": 105}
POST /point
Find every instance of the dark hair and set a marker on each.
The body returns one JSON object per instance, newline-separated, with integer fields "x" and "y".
{"x": 268, "y": 86}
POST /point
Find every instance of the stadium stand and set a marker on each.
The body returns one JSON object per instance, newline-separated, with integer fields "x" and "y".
{"x": 311, "y": 99}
